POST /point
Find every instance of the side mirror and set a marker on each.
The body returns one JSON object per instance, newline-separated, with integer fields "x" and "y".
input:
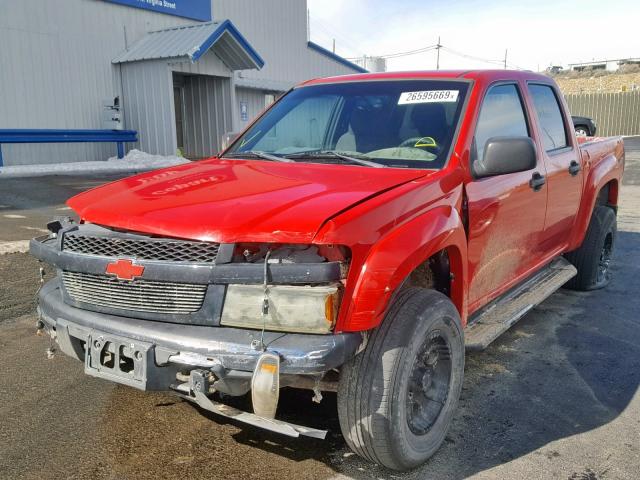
{"x": 505, "y": 155}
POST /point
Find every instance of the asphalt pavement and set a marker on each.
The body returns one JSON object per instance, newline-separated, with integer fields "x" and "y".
{"x": 555, "y": 397}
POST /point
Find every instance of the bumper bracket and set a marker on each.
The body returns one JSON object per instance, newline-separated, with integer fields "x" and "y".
{"x": 277, "y": 426}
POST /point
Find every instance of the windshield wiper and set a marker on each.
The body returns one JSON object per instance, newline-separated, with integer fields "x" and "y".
{"x": 259, "y": 154}
{"x": 334, "y": 154}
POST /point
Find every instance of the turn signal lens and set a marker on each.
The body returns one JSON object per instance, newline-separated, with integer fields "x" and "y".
{"x": 265, "y": 385}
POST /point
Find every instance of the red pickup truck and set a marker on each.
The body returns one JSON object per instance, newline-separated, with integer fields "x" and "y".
{"x": 357, "y": 237}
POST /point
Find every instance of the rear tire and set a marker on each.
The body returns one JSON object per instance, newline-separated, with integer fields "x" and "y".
{"x": 397, "y": 397}
{"x": 593, "y": 258}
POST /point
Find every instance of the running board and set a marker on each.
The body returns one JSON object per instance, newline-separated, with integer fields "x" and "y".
{"x": 497, "y": 317}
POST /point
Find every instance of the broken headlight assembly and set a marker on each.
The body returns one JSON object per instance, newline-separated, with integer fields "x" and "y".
{"x": 295, "y": 308}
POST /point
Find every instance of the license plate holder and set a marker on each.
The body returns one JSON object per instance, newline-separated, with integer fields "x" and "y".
{"x": 118, "y": 359}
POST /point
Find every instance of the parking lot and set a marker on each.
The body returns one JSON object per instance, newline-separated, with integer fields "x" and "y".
{"x": 555, "y": 397}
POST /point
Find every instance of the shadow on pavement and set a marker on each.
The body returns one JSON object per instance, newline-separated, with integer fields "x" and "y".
{"x": 571, "y": 366}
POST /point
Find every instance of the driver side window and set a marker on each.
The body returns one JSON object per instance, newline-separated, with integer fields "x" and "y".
{"x": 502, "y": 114}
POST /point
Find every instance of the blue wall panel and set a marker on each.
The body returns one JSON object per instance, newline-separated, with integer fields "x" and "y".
{"x": 194, "y": 9}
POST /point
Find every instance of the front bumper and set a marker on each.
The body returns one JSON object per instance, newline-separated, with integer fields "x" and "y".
{"x": 162, "y": 336}
{"x": 191, "y": 346}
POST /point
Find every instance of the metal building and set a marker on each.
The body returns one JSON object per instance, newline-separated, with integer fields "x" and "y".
{"x": 184, "y": 72}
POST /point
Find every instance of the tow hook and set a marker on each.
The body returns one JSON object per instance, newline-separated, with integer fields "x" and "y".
{"x": 200, "y": 381}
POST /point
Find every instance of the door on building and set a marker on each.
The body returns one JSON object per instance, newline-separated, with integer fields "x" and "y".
{"x": 178, "y": 99}
{"x": 202, "y": 113}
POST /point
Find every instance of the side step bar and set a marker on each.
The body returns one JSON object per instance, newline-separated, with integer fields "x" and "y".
{"x": 497, "y": 317}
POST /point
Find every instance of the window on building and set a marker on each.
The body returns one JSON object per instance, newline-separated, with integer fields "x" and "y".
{"x": 501, "y": 115}
{"x": 553, "y": 131}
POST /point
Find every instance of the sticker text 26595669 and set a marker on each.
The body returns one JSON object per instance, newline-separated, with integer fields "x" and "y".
{"x": 428, "y": 96}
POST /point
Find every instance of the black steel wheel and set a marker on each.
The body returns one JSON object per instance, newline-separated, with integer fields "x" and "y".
{"x": 603, "y": 273}
{"x": 593, "y": 258}
{"x": 397, "y": 397}
{"x": 429, "y": 383}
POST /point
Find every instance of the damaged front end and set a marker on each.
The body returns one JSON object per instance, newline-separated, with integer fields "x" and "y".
{"x": 197, "y": 318}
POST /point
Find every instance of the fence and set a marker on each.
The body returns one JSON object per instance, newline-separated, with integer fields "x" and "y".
{"x": 614, "y": 113}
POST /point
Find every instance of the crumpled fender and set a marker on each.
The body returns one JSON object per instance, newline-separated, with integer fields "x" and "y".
{"x": 397, "y": 254}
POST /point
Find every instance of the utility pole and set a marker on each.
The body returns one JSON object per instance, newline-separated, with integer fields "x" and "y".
{"x": 334, "y": 45}
{"x": 505, "y": 58}
{"x": 438, "y": 47}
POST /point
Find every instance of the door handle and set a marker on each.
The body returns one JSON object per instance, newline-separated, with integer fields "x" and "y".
{"x": 574, "y": 168}
{"x": 537, "y": 181}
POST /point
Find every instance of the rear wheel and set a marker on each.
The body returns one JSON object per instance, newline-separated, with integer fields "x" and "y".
{"x": 593, "y": 258}
{"x": 397, "y": 397}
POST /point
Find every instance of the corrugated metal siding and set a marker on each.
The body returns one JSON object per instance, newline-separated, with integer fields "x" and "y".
{"x": 55, "y": 67}
{"x": 209, "y": 64}
{"x": 614, "y": 113}
{"x": 173, "y": 42}
{"x": 207, "y": 114}
{"x": 148, "y": 95}
{"x": 278, "y": 31}
{"x": 255, "y": 103}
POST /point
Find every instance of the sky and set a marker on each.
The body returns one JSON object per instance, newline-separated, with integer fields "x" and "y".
{"x": 535, "y": 33}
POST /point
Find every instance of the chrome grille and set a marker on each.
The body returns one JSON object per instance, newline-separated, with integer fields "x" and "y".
{"x": 137, "y": 295}
{"x": 144, "y": 248}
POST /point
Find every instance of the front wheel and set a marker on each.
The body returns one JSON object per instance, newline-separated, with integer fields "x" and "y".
{"x": 397, "y": 397}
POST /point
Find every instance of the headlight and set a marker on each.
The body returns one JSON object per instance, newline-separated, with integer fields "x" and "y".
{"x": 301, "y": 309}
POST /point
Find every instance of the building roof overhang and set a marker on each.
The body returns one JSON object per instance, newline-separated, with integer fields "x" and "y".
{"x": 191, "y": 42}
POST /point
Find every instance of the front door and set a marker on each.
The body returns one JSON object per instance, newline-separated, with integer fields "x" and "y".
{"x": 506, "y": 215}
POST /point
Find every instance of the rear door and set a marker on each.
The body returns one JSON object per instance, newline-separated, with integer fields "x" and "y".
{"x": 564, "y": 175}
{"x": 506, "y": 215}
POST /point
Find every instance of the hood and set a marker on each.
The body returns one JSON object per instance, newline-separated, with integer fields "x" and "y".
{"x": 236, "y": 200}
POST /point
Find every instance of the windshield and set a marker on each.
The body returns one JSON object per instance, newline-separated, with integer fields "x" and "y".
{"x": 402, "y": 123}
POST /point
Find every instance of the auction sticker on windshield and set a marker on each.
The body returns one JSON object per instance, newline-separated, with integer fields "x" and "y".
{"x": 428, "y": 96}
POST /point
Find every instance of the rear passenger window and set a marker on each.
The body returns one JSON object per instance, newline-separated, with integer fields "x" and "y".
{"x": 554, "y": 135}
{"x": 501, "y": 115}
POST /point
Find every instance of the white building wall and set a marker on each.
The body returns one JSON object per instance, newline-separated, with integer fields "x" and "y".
{"x": 147, "y": 94}
{"x": 255, "y": 101}
{"x": 278, "y": 30}
{"x": 55, "y": 69}
{"x": 55, "y": 66}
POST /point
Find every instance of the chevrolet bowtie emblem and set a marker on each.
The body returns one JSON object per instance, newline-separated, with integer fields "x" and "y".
{"x": 124, "y": 270}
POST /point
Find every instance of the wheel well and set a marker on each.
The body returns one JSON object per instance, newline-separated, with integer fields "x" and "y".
{"x": 434, "y": 273}
{"x": 608, "y": 195}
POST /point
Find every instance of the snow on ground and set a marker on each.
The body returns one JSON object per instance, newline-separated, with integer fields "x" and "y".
{"x": 134, "y": 161}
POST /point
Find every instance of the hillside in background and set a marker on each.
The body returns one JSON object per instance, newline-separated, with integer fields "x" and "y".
{"x": 598, "y": 81}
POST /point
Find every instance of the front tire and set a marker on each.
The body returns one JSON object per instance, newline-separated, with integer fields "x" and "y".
{"x": 397, "y": 397}
{"x": 593, "y": 258}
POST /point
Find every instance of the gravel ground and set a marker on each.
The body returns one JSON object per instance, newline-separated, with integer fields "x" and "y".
{"x": 555, "y": 397}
